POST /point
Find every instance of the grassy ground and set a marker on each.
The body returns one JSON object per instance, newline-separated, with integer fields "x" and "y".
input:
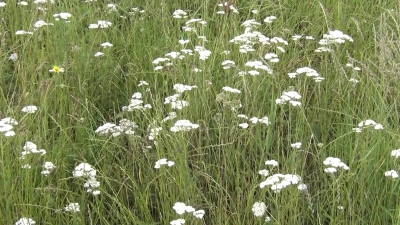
{"x": 216, "y": 165}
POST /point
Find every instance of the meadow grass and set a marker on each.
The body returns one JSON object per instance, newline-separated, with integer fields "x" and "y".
{"x": 212, "y": 170}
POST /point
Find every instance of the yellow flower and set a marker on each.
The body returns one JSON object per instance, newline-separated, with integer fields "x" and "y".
{"x": 57, "y": 69}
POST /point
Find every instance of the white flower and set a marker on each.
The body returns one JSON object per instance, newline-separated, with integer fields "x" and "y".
{"x": 335, "y": 36}
{"x": 72, "y": 207}
{"x": 336, "y": 163}
{"x": 106, "y": 45}
{"x": 29, "y": 109}
{"x": 47, "y": 168}
{"x": 199, "y": 214}
{"x": 22, "y": 32}
{"x": 98, "y": 54}
{"x": 231, "y": 90}
{"x": 180, "y": 88}
{"x": 271, "y": 163}
{"x": 259, "y": 209}
{"x": 269, "y": 19}
{"x": 289, "y": 96}
{"x": 183, "y": 42}
{"x": 302, "y": 187}
{"x": 177, "y": 222}
{"x": 396, "y": 153}
{"x": 13, "y": 57}
{"x": 25, "y": 221}
{"x": 244, "y": 125}
{"x": 392, "y": 173}
{"x": 179, "y": 13}
{"x": 296, "y": 145}
{"x": 84, "y": 170}
{"x": 62, "y": 15}
{"x": 163, "y": 161}
{"x": 183, "y": 125}
{"x": 330, "y": 170}
{"x": 179, "y": 207}
{"x": 100, "y": 24}
{"x": 264, "y": 172}
{"x": 41, "y": 23}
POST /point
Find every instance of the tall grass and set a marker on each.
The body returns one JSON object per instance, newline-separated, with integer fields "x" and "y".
{"x": 216, "y": 165}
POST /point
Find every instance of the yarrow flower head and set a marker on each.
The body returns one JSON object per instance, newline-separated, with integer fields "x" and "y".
{"x": 366, "y": 124}
{"x": 72, "y": 207}
{"x": 29, "y": 109}
{"x": 100, "y": 24}
{"x": 85, "y": 170}
{"x": 6, "y": 126}
{"x": 259, "y": 209}
{"x": 392, "y": 173}
{"x": 163, "y": 161}
{"x": 334, "y": 164}
{"x": 278, "y": 181}
{"x": 183, "y": 125}
{"x": 181, "y": 208}
{"x": 48, "y": 167}
{"x": 289, "y": 96}
{"x": 396, "y": 153}
{"x": 25, "y": 221}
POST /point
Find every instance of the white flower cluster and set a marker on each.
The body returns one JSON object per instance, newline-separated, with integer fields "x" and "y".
{"x": 278, "y": 181}
{"x": 332, "y": 37}
{"x": 227, "y": 64}
{"x": 296, "y": 145}
{"x": 29, "y": 109}
{"x": 181, "y": 208}
{"x": 72, "y": 207}
{"x": 25, "y": 221}
{"x": 366, "y": 124}
{"x": 153, "y": 132}
{"x": 162, "y": 162}
{"x": 183, "y": 125}
{"x": 136, "y": 103}
{"x": 175, "y": 102}
{"x": 62, "y": 15}
{"x": 85, "y": 170}
{"x": 125, "y": 127}
{"x": 271, "y": 57}
{"x": 259, "y": 209}
{"x": 250, "y": 38}
{"x": 393, "y": 173}
{"x": 227, "y": 7}
{"x": 309, "y": 73}
{"x": 333, "y": 164}
{"x": 180, "y": 88}
{"x": 6, "y": 126}
{"x": 100, "y": 24}
{"x": 41, "y": 23}
{"x": 203, "y": 52}
{"x": 13, "y": 57}
{"x": 253, "y": 120}
{"x": 179, "y": 14}
{"x": 190, "y": 25}
{"x": 258, "y": 65}
{"x": 48, "y": 167}
{"x": 289, "y": 96}
{"x": 171, "y": 116}
{"x": 31, "y": 148}
{"x": 231, "y": 90}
